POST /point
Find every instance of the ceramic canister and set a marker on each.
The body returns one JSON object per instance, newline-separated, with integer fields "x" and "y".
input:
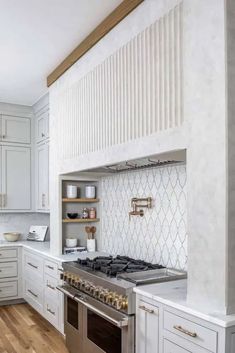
{"x": 90, "y": 191}
{"x": 72, "y": 191}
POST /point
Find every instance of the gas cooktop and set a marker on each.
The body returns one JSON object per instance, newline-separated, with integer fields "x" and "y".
{"x": 115, "y": 266}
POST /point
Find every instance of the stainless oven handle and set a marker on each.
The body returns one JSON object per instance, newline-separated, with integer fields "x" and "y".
{"x": 121, "y": 323}
{"x": 118, "y": 323}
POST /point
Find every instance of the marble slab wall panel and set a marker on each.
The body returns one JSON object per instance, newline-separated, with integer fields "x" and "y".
{"x": 161, "y": 235}
{"x": 20, "y": 222}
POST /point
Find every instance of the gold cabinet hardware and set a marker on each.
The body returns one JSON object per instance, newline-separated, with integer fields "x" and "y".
{"x": 186, "y": 332}
{"x": 150, "y": 311}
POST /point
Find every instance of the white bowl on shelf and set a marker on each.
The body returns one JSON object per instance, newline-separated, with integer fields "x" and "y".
{"x": 11, "y": 236}
{"x": 71, "y": 242}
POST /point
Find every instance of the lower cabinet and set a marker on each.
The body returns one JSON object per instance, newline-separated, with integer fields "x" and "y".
{"x": 8, "y": 289}
{"x": 41, "y": 277}
{"x": 170, "y": 347}
{"x": 161, "y": 328}
{"x": 147, "y": 327}
{"x": 33, "y": 294}
{"x": 10, "y": 274}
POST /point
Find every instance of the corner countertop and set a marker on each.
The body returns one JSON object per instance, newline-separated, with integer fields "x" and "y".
{"x": 174, "y": 294}
{"x": 43, "y": 248}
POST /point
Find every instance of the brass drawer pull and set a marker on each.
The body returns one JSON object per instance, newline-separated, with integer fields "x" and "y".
{"x": 50, "y": 267}
{"x": 50, "y": 311}
{"x": 186, "y": 332}
{"x": 150, "y": 311}
{"x": 29, "y": 263}
{"x": 35, "y": 295}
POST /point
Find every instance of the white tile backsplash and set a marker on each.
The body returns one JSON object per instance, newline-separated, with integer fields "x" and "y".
{"x": 20, "y": 222}
{"x": 161, "y": 235}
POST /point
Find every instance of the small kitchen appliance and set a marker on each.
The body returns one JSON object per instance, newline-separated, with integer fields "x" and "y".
{"x": 37, "y": 233}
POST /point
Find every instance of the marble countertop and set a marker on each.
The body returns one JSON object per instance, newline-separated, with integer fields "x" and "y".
{"x": 174, "y": 294}
{"x": 43, "y": 248}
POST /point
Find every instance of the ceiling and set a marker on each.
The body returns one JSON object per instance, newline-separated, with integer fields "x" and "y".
{"x": 36, "y": 35}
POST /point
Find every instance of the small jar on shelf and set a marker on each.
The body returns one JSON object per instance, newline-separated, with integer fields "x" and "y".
{"x": 92, "y": 213}
{"x": 85, "y": 213}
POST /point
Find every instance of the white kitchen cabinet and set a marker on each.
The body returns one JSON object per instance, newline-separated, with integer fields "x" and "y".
{"x": 147, "y": 327}
{"x": 170, "y": 347}
{"x": 41, "y": 276}
{"x": 42, "y": 177}
{"x": 15, "y": 178}
{"x": 10, "y": 274}
{"x": 42, "y": 126}
{"x": 163, "y": 328}
{"x": 15, "y": 129}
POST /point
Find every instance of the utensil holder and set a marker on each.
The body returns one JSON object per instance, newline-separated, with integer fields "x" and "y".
{"x": 91, "y": 245}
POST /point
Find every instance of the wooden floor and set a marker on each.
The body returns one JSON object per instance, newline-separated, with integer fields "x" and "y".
{"x": 23, "y": 330}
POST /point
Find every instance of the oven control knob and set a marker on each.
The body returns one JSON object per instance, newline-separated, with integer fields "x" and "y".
{"x": 76, "y": 281}
{"x": 124, "y": 303}
{"x": 110, "y": 298}
{"x": 92, "y": 290}
{"x": 117, "y": 303}
{"x": 82, "y": 284}
{"x": 97, "y": 291}
{"x": 103, "y": 294}
{"x": 87, "y": 286}
{"x": 69, "y": 277}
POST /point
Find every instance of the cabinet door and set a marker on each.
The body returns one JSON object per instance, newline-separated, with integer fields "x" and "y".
{"x": 170, "y": 347}
{"x": 42, "y": 127}
{"x": 16, "y": 178}
{"x": 1, "y": 195}
{"x": 15, "y": 129}
{"x": 147, "y": 328}
{"x": 42, "y": 172}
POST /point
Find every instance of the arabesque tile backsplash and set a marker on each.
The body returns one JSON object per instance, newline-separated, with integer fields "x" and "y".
{"x": 161, "y": 235}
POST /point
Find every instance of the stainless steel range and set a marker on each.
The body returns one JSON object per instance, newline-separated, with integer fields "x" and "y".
{"x": 100, "y": 303}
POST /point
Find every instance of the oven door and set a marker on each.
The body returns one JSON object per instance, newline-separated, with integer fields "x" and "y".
{"x": 105, "y": 330}
{"x": 93, "y": 327}
{"x": 73, "y": 324}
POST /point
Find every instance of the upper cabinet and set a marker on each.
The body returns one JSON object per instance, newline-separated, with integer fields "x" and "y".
{"x": 42, "y": 126}
{"x": 15, "y": 129}
{"x": 42, "y": 177}
{"x": 15, "y": 179}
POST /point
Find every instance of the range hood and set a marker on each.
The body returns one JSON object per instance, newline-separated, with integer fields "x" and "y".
{"x": 158, "y": 160}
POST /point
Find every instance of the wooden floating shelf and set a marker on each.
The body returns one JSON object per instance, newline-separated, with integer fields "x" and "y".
{"x": 80, "y": 220}
{"x": 82, "y": 200}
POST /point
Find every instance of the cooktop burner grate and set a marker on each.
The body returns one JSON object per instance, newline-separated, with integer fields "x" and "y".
{"x": 113, "y": 266}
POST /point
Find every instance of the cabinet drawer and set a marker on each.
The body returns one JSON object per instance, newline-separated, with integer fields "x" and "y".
{"x": 170, "y": 347}
{"x": 8, "y": 253}
{"x": 33, "y": 265}
{"x": 189, "y": 330}
{"x": 33, "y": 294}
{"x": 8, "y": 269}
{"x": 51, "y": 268}
{"x": 8, "y": 289}
{"x": 51, "y": 311}
{"x": 50, "y": 285}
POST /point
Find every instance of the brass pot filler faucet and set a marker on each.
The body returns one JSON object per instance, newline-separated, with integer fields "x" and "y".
{"x": 138, "y": 203}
